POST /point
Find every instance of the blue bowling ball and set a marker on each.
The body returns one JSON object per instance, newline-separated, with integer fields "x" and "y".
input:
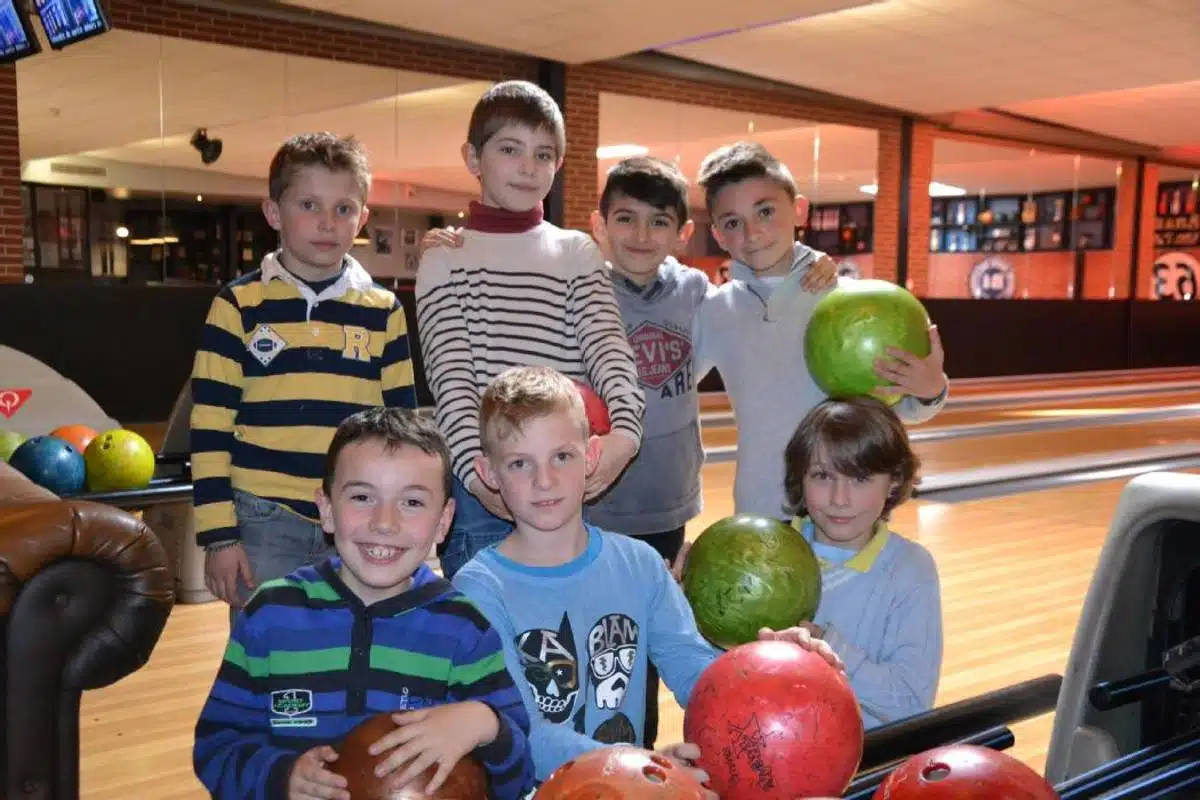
{"x": 51, "y": 463}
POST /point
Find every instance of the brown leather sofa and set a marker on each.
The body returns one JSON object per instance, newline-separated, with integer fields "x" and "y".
{"x": 85, "y": 593}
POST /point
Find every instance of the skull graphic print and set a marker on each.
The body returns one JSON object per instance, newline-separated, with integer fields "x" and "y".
{"x": 552, "y": 669}
{"x": 612, "y": 653}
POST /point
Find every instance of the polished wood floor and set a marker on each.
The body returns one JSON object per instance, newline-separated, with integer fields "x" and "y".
{"x": 1014, "y": 572}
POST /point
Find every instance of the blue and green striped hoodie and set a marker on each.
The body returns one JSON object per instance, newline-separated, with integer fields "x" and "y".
{"x": 307, "y": 661}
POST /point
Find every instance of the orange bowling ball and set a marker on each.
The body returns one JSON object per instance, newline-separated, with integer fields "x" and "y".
{"x": 467, "y": 781}
{"x": 621, "y": 772}
{"x": 78, "y": 436}
{"x": 964, "y": 772}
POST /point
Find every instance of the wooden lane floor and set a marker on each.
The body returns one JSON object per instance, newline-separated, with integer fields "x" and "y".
{"x": 1033, "y": 552}
{"x": 721, "y": 434}
{"x": 966, "y": 452}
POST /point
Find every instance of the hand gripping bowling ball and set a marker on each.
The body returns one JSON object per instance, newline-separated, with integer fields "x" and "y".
{"x": 597, "y": 411}
{"x": 854, "y": 325}
{"x": 50, "y": 463}
{"x": 119, "y": 460}
{"x": 964, "y": 772}
{"x": 467, "y": 781}
{"x": 621, "y": 772}
{"x": 774, "y": 721}
{"x": 745, "y": 573}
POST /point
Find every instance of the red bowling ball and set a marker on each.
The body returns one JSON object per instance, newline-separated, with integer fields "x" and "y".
{"x": 774, "y": 721}
{"x": 621, "y": 772}
{"x": 597, "y": 411}
{"x": 964, "y": 772}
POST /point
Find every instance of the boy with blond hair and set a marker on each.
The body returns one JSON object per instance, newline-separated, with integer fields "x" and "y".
{"x": 581, "y": 612}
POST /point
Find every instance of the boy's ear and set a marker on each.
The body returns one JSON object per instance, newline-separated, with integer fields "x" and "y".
{"x": 802, "y": 210}
{"x": 685, "y": 232}
{"x": 271, "y": 211}
{"x": 595, "y": 449}
{"x": 445, "y": 521}
{"x": 483, "y": 468}
{"x": 600, "y": 233}
{"x": 326, "y": 509}
{"x": 471, "y": 158}
{"x": 363, "y": 216}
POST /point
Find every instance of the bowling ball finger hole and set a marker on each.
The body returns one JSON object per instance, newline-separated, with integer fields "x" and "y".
{"x": 935, "y": 772}
{"x": 654, "y": 774}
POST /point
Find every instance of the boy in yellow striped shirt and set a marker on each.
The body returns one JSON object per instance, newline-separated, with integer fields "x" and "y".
{"x": 289, "y": 351}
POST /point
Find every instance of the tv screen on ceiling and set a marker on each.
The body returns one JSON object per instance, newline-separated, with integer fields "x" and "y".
{"x": 17, "y": 39}
{"x": 69, "y": 21}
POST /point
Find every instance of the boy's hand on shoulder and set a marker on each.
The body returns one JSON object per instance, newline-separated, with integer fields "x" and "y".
{"x": 686, "y": 754}
{"x": 311, "y": 780}
{"x": 441, "y": 735}
{"x": 922, "y": 378}
{"x": 820, "y": 276}
{"x": 616, "y": 451}
{"x": 441, "y": 237}
{"x": 803, "y": 635}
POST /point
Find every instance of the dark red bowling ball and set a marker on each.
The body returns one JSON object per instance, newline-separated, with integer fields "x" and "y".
{"x": 621, "y": 772}
{"x": 467, "y": 781}
{"x": 964, "y": 772}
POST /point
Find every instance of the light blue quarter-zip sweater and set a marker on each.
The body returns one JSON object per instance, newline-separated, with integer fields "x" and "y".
{"x": 753, "y": 334}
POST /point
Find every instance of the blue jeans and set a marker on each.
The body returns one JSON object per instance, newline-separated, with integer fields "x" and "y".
{"x": 474, "y": 529}
{"x": 277, "y": 541}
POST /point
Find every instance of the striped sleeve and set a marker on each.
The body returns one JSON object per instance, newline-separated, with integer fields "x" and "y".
{"x": 607, "y": 355}
{"x": 216, "y": 395}
{"x": 446, "y": 354}
{"x": 479, "y": 673}
{"x": 232, "y": 755}
{"x": 397, "y": 374}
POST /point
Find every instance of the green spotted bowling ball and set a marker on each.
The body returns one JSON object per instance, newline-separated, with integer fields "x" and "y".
{"x": 747, "y": 572}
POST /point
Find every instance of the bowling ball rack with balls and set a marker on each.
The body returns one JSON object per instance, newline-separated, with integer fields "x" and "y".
{"x": 78, "y": 462}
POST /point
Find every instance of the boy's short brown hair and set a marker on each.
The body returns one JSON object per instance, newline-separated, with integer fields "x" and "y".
{"x": 861, "y": 437}
{"x": 653, "y": 181}
{"x": 335, "y": 153}
{"x": 394, "y": 427}
{"x": 516, "y": 103}
{"x": 520, "y": 394}
{"x": 742, "y": 161}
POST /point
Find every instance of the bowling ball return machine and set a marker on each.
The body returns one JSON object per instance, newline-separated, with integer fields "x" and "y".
{"x": 1127, "y": 711}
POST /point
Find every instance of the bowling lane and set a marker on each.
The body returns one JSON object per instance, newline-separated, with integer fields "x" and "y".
{"x": 950, "y": 453}
{"x": 1078, "y": 407}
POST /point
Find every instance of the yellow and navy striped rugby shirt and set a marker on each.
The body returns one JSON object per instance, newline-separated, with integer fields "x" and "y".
{"x": 278, "y": 368}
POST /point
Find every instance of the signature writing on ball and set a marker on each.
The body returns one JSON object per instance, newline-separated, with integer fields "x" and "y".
{"x": 746, "y": 745}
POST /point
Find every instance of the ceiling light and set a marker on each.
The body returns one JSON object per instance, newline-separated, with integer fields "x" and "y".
{"x": 621, "y": 151}
{"x": 935, "y": 190}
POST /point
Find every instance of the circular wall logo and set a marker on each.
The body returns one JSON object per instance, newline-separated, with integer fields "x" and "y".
{"x": 992, "y": 279}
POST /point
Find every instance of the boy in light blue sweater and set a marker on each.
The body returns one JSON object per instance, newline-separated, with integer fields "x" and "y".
{"x": 581, "y": 612}
{"x": 849, "y": 464}
{"x": 752, "y": 329}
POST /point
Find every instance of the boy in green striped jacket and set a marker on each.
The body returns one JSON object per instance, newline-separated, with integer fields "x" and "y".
{"x": 371, "y": 630}
{"x": 287, "y": 352}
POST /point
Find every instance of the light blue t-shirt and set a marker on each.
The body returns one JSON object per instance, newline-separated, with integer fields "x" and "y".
{"x": 577, "y": 638}
{"x": 881, "y": 610}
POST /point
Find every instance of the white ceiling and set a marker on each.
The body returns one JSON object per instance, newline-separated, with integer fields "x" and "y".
{"x": 924, "y": 56}
{"x": 413, "y": 124}
{"x": 578, "y": 31}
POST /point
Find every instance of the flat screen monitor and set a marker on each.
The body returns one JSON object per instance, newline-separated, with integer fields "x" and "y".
{"x": 17, "y": 39}
{"x": 69, "y": 21}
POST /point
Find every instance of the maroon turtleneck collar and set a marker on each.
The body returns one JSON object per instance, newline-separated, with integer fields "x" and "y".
{"x": 490, "y": 219}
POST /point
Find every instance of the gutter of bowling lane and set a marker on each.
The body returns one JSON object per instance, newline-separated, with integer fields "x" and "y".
{"x": 729, "y": 452}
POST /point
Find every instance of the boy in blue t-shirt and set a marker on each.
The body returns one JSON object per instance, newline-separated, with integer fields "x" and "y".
{"x": 848, "y": 466}
{"x": 581, "y": 612}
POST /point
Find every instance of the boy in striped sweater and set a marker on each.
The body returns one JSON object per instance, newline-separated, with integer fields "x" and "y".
{"x": 287, "y": 352}
{"x": 371, "y": 630}
{"x": 519, "y": 291}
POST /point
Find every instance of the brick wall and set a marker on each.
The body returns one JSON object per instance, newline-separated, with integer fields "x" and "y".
{"x": 919, "y": 207}
{"x": 886, "y": 220}
{"x": 11, "y": 215}
{"x": 586, "y": 82}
